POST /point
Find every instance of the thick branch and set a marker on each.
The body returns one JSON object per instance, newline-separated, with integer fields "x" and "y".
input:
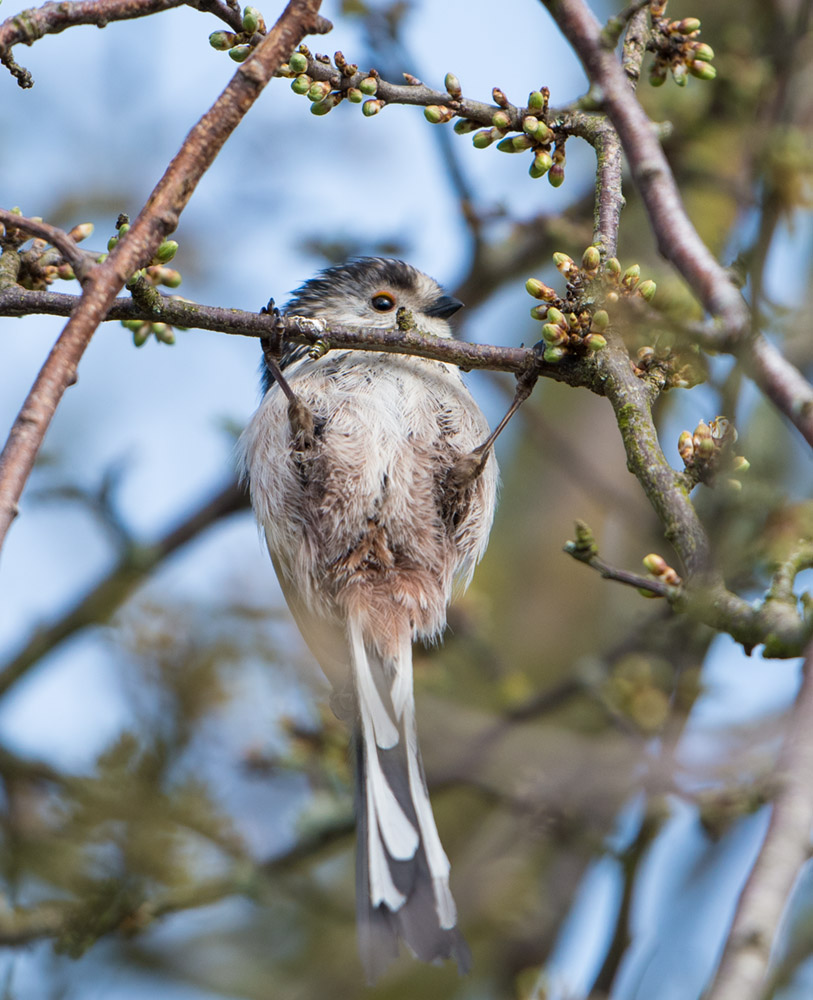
{"x": 786, "y": 848}
{"x": 156, "y": 221}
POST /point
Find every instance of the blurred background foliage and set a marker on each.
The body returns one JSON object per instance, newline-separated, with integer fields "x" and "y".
{"x": 176, "y": 813}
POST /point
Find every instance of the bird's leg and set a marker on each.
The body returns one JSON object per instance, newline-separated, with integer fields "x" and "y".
{"x": 299, "y": 416}
{"x": 468, "y": 467}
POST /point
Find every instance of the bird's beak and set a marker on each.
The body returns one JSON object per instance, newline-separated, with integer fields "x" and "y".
{"x": 445, "y": 306}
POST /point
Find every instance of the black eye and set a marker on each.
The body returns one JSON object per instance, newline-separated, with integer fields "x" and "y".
{"x": 382, "y": 301}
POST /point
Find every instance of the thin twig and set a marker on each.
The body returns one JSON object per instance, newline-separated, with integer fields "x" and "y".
{"x": 743, "y": 967}
{"x": 155, "y": 222}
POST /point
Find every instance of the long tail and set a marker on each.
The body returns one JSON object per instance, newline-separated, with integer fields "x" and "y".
{"x": 402, "y": 872}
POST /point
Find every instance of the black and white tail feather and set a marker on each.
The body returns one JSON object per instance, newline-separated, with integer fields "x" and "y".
{"x": 402, "y": 871}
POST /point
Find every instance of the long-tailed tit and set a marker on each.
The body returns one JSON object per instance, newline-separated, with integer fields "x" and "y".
{"x": 375, "y": 490}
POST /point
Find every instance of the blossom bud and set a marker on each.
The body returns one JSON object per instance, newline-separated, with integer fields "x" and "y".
{"x": 437, "y": 114}
{"x": 500, "y": 120}
{"x": 536, "y": 100}
{"x": 591, "y": 258}
{"x": 369, "y": 86}
{"x": 541, "y": 164}
{"x": 325, "y": 105}
{"x": 686, "y": 447}
{"x": 252, "y": 20}
{"x": 553, "y": 354}
{"x": 539, "y": 289}
{"x": 499, "y": 97}
{"x": 702, "y": 70}
{"x": 452, "y": 85}
{"x": 166, "y": 251}
{"x": 483, "y": 138}
{"x": 464, "y": 125}
{"x": 555, "y": 315}
{"x": 222, "y": 40}
{"x": 553, "y": 334}
{"x": 370, "y": 108}
{"x": 595, "y": 342}
{"x": 302, "y": 84}
{"x": 686, "y": 26}
{"x": 647, "y": 290}
{"x": 655, "y": 564}
{"x": 81, "y": 232}
{"x": 704, "y": 52}
{"x": 354, "y": 95}
{"x": 630, "y": 277}
{"x": 319, "y": 90}
{"x": 239, "y": 53}
{"x": 298, "y": 62}
{"x": 601, "y": 320}
{"x": 556, "y": 175}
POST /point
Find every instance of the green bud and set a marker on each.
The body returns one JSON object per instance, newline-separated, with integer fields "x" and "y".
{"x": 553, "y": 334}
{"x": 326, "y": 104}
{"x": 539, "y": 289}
{"x": 240, "y": 53}
{"x": 686, "y": 26}
{"x": 540, "y": 313}
{"x": 563, "y": 262}
{"x": 530, "y": 124}
{"x": 543, "y": 134}
{"x": 298, "y": 62}
{"x": 680, "y": 74}
{"x": 655, "y": 564}
{"x": 482, "y": 139}
{"x": 594, "y": 342}
{"x": 222, "y": 40}
{"x": 170, "y": 277}
{"x": 521, "y": 143}
{"x": 141, "y": 334}
{"x": 556, "y": 175}
{"x": 702, "y": 70}
{"x": 536, "y": 100}
{"x": 81, "y": 231}
{"x": 112, "y": 242}
{"x": 302, "y": 84}
{"x": 452, "y": 85}
{"x": 601, "y": 320}
{"x": 555, "y": 315}
{"x": 647, "y": 289}
{"x": 630, "y": 277}
{"x": 437, "y": 114}
{"x": 657, "y": 75}
{"x": 591, "y": 258}
{"x": 369, "y": 86}
{"x": 703, "y": 51}
{"x": 500, "y": 120}
{"x": 612, "y": 267}
{"x": 318, "y": 90}
{"x": 553, "y": 355}
{"x": 354, "y": 95}
{"x": 507, "y": 145}
{"x": 166, "y": 251}
{"x": 370, "y": 108}
{"x": 132, "y": 324}
{"x": 543, "y": 161}
{"x": 252, "y": 19}
{"x": 464, "y": 125}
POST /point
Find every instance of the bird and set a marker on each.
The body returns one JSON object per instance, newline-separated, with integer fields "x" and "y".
{"x": 373, "y": 480}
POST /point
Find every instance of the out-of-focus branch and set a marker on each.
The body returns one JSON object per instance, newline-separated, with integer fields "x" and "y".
{"x": 135, "y": 564}
{"x": 677, "y": 238}
{"x": 742, "y": 971}
{"x": 50, "y": 19}
{"x": 76, "y": 257}
{"x": 156, "y": 221}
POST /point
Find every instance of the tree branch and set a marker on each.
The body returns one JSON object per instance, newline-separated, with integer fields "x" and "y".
{"x": 741, "y": 975}
{"x": 134, "y": 566}
{"x": 678, "y": 240}
{"x": 157, "y": 219}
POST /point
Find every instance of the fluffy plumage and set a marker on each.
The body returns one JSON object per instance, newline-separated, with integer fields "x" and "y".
{"x": 368, "y": 533}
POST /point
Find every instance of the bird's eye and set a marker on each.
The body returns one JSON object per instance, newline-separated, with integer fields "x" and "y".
{"x": 382, "y": 301}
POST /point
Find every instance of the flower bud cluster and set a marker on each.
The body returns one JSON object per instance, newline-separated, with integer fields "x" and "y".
{"x": 708, "y": 450}
{"x": 349, "y": 84}
{"x": 578, "y": 322}
{"x": 142, "y": 330}
{"x": 40, "y": 264}
{"x": 536, "y": 136}
{"x": 678, "y": 49}
{"x": 239, "y": 44}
